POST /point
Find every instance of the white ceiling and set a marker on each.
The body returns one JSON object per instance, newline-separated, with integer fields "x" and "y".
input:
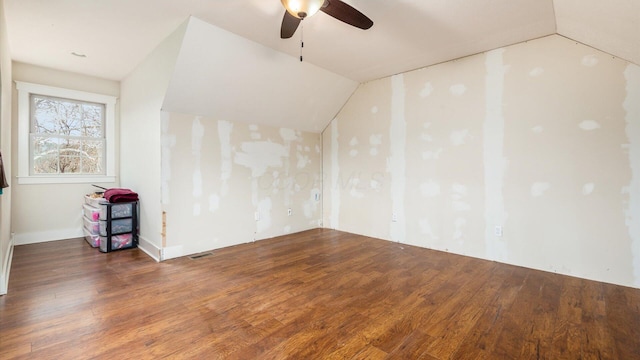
{"x": 116, "y": 35}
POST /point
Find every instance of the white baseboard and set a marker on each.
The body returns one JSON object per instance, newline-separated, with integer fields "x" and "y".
{"x": 4, "y": 274}
{"x": 45, "y": 236}
{"x": 172, "y": 252}
{"x": 149, "y": 248}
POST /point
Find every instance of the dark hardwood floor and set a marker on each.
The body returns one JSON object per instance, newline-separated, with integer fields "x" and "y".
{"x": 320, "y": 294}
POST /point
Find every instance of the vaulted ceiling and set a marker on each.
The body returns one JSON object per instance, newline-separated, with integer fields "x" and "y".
{"x": 116, "y": 35}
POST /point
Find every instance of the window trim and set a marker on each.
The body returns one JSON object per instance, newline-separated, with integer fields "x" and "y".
{"x": 25, "y": 90}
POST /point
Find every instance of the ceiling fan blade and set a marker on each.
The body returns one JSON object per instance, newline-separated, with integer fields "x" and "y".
{"x": 346, "y": 13}
{"x": 289, "y": 25}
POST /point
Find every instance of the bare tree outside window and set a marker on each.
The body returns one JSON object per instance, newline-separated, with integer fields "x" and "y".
{"x": 67, "y": 136}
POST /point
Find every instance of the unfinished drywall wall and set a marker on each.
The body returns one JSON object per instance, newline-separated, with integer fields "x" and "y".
{"x": 46, "y": 212}
{"x": 226, "y": 183}
{"x": 143, "y": 92}
{"x": 525, "y": 155}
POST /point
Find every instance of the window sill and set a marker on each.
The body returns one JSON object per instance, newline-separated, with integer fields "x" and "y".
{"x": 71, "y": 179}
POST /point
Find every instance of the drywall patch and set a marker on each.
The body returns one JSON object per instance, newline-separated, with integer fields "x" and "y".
{"x": 335, "y": 176}
{"x": 425, "y": 136}
{"x": 260, "y": 155}
{"x": 430, "y": 189}
{"x": 459, "y": 225}
{"x": 254, "y": 134}
{"x": 224, "y": 135}
{"x": 168, "y": 141}
{"x": 535, "y": 72}
{"x": 587, "y": 189}
{"x": 353, "y": 143}
{"x": 397, "y": 161}
{"x": 432, "y": 154}
{"x": 590, "y": 60}
{"x": 375, "y": 185}
{"x": 458, "y": 89}
{"x": 374, "y": 109}
{"x": 426, "y": 90}
{"x": 214, "y": 202}
{"x": 426, "y": 229}
{"x": 539, "y": 188}
{"x": 589, "y": 125}
{"x": 303, "y": 161}
{"x": 632, "y": 118}
{"x": 494, "y": 161}
{"x": 458, "y": 193}
{"x": 355, "y": 190}
{"x": 537, "y": 129}
{"x": 459, "y": 137}
{"x": 197, "y": 133}
{"x": 375, "y": 140}
{"x": 289, "y": 135}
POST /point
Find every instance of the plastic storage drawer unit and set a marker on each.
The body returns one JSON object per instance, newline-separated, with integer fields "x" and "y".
{"x": 122, "y": 241}
{"x": 92, "y": 226}
{"x": 92, "y": 239}
{"x": 94, "y": 202}
{"x": 118, "y": 210}
{"x": 91, "y": 212}
{"x": 118, "y": 226}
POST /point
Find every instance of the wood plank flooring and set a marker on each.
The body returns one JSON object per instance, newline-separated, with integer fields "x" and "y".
{"x": 320, "y": 294}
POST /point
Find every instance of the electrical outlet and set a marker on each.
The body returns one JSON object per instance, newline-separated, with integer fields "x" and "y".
{"x": 394, "y": 217}
{"x": 256, "y": 215}
{"x": 288, "y": 212}
{"x": 497, "y": 230}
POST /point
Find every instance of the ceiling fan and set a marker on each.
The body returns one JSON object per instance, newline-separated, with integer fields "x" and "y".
{"x": 298, "y": 10}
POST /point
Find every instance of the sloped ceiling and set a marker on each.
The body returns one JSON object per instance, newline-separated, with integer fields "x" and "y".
{"x": 263, "y": 79}
{"x": 228, "y": 77}
{"x": 116, "y": 35}
{"x": 612, "y": 26}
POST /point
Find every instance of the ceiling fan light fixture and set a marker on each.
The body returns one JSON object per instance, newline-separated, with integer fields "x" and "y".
{"x": 302, "y": 8}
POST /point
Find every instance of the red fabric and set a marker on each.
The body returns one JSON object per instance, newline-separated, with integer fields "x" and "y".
{"x": 117, "y": 195}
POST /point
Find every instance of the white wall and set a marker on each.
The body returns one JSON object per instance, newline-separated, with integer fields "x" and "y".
{"x": 142, "y": 94}
{"x": 47, "y": 212}
{"x": 541, "y": 138}
{"x": 6, "y": 246}
{"x": 218, "y": 174}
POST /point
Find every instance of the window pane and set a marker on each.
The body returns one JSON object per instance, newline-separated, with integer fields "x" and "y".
{"x": 70, "y": 147}
{"x": 45, "y": 146}
{"x": 92, "y": 156}
{"x": 45, "y": 165}
{"x": 93, "y": 124}
{"x": 44, "y": 114}
{"x": 70, "y": 165}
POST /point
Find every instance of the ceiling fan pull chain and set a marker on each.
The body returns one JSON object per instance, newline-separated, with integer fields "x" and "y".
{"x": 301, "y": 39}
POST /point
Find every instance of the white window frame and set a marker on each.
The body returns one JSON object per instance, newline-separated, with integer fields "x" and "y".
{"x": 25, "y": 90}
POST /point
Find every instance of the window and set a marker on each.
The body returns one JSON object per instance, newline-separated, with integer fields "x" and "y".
{"x": 65, "y": 136}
